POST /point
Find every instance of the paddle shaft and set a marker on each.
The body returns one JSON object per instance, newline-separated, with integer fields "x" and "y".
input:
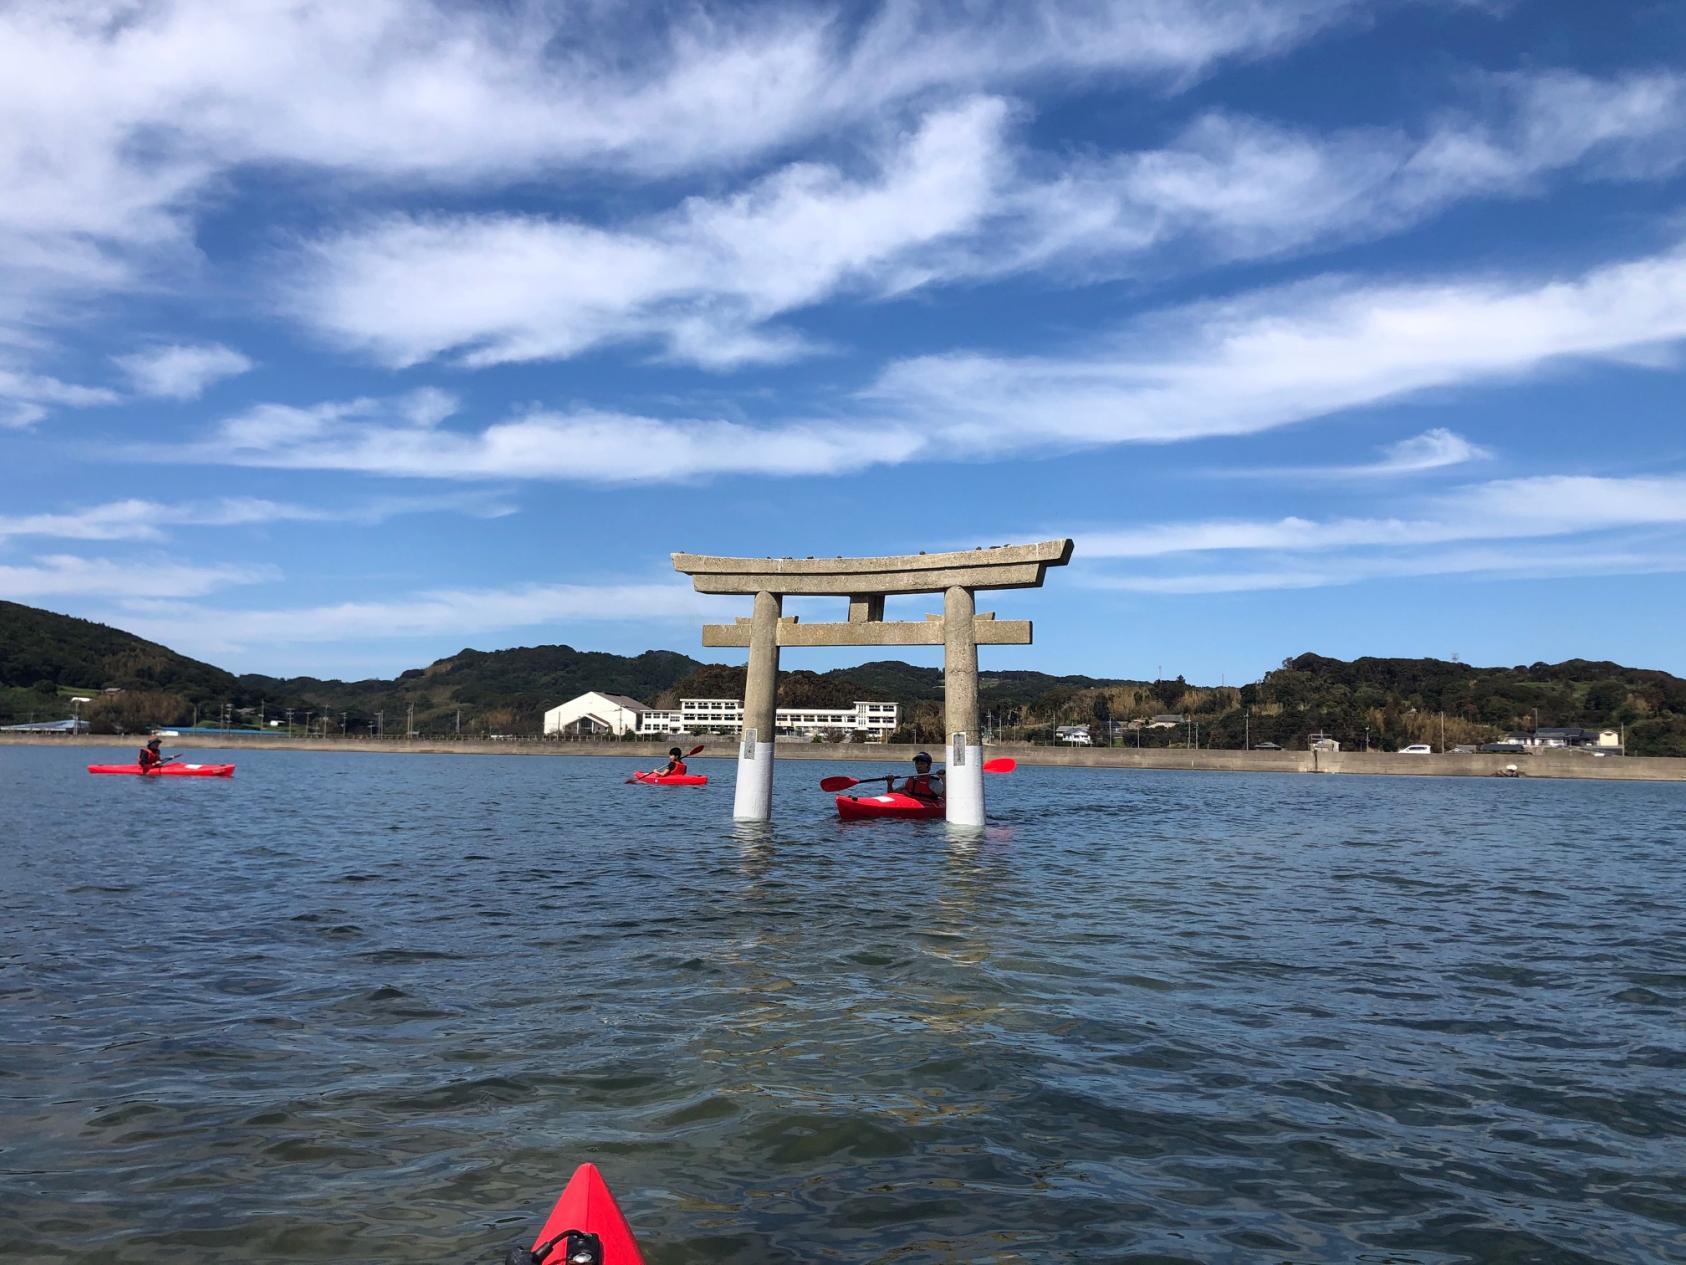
{"x": 842, "y": 782}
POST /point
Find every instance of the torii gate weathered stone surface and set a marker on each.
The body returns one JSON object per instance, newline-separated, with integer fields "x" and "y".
{"x": 866, "y": 582}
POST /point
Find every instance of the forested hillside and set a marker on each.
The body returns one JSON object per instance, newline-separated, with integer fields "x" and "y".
{"x": 45, "y": 658}
{"x": 504, "y": 691}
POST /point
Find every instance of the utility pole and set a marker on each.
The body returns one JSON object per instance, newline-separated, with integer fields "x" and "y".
{"x": 1247, "y": 730}
{"x": 380, "y": 724}
{"x": 459, "y": 720}
{"x": 410, "y": 722}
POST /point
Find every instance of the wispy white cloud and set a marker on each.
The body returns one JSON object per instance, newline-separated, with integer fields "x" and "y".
{"x": 598, "y": 447}
{"x": 122, "y": 119}
{"x": 1436, "y": 449}
{"x": 135, "y": 519}
{"x": 699, "y": 281}
{"x": 158, "y": 576}
{"x": 1521, "y": 561}
{"x": 1235, "y": 187}
{"x": 180, "y": 371}
{"x": 24, "y": 397}
{"x": 1543, "y": 526}
{"x": 1502, "y": 509}
{"x": 954, "y": 201}
{"x": 1253, "y": 364}
{"x": 454, "y": 612}
{"x": 1283, "y": 356}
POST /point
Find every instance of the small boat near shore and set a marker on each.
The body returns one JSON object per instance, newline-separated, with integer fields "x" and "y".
{"x": 167, "y": 770}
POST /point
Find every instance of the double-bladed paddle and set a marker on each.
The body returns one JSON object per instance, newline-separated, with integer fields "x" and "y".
{"x": 693, "y": 751}
{"x": 1003, "y": 764}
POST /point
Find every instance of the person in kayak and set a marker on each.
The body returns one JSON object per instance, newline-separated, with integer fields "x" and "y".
{"x": 675, "y": 766}
{"x": 924, "y": 784}
{"x": 149, "y": 757}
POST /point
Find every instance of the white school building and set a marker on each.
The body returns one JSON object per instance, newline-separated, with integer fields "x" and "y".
{"x": 616, "y": 714}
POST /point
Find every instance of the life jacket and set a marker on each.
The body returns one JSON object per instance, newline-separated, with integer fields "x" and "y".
{"x": 676, "y": 769}
{"x": 919, "y": 786}
{"x": 149, "y": 757}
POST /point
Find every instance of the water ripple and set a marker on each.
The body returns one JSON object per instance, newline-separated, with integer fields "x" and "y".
{"x": 376, "y": 1008}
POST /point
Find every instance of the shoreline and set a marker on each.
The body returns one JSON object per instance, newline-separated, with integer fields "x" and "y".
{"x": 1547, "y": 764}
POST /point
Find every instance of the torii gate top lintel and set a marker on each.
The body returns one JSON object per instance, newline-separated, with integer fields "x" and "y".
{"x": 997, "y": 567}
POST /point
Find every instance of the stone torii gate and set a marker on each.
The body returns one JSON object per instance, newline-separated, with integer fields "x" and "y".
{"x": 960, "y": 630}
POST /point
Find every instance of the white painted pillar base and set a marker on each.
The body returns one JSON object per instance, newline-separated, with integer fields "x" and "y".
{"x": 753, "y": 800}
{"x": 965, "y": 782}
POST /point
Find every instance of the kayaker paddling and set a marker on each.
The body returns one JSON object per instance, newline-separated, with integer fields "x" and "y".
{"x": 675, "y": 766}
{"x": 149, "y": 757}
{"x": 924, "y": 784}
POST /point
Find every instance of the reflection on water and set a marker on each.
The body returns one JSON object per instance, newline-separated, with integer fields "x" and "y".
{"x": 376, "y": 1008}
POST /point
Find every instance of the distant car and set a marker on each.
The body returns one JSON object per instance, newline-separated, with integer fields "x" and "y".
{"x": 1266, "y": 746}
{"x": 1417, "y": 748}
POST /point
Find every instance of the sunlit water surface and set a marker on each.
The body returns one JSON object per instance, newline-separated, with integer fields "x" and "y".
{"x": 376, "y": 1008}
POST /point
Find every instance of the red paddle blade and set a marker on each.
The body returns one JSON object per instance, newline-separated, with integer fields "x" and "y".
{"x": 838, "y": 783}
{"x": 586, "y": 1204}
{"x": 693, "y": 751}
{"x": 1005, "y": 764}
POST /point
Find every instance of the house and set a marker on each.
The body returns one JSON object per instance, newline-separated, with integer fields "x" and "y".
{"x": 1557, "y": 736}
{"x": 594, "y": 713}
{"x": 1166, "y": 721}
{"x": 1322, "y": 742}
{"x": 1076, "y": 735}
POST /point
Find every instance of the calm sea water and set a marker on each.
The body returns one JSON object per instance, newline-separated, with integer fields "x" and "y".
{"x": 376, "y": 1008}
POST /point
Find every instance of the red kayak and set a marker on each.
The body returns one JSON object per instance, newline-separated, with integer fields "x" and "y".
{"x": 672, "y": 779}
{"x": 168, "y": 770}
{"x": 892, "y": 804}
{"x": 587, "y": 1210}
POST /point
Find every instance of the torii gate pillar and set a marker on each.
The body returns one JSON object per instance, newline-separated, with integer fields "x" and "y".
{"x": 960, "y": 629}
{"x": 754, "y": 798}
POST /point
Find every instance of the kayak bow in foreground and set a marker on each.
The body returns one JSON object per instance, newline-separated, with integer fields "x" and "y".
{"x": 168, "y": 770}
{"x": 585, "y": 1228}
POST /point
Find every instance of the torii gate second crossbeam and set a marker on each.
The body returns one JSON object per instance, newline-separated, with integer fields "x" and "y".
{"x": 960, "y": 630}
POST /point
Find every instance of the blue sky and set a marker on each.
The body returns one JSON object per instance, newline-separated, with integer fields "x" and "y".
{"x": 334, "y": 338}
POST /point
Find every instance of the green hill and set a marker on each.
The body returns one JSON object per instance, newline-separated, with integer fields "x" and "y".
{"x": 499, "y": 690}
{"x": 45, "y": 657}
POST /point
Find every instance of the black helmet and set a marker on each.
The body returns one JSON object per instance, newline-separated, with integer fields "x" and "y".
{"x": 924, "y": 757}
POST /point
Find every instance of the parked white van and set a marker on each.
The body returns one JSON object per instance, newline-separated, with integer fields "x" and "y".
{"x": 1417, "y": 748}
